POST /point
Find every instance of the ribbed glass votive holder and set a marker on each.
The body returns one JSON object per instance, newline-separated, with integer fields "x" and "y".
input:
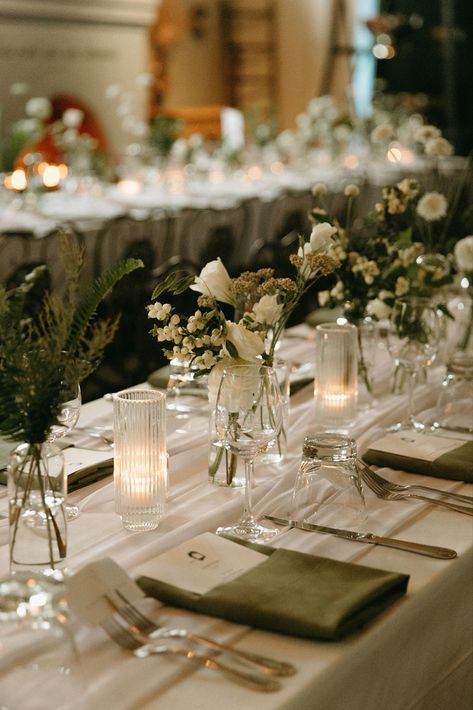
{"x": 140, "y": 465}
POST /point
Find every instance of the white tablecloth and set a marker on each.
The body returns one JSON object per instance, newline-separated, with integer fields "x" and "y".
{"x": 416, "y": 656}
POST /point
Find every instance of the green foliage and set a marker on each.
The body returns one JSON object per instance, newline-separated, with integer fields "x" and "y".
{"x": 43, "y": 359}
{"x": 164, "y": 131}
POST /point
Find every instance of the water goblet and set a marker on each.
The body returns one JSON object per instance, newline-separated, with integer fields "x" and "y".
{"x": 248, "y": 418}
{"x": 413, "y": 344}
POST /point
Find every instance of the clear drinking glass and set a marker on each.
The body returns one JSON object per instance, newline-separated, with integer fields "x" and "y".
{"x": 328, "y": 489}
{"x": 336, "y": 376}
{"x": 248, "y": 417}
{"x": 140, "y": 462}
{"x": 414, "y": 344}
{"x": 39, "y": 666}
{"x": 67, "y": 419}
{"x": 454, "y": 408}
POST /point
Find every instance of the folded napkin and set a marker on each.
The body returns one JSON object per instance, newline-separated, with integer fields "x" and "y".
{"x": 436, "y": 456}
{"x": 83, "y": 466}
{"x": 292, "y": 593}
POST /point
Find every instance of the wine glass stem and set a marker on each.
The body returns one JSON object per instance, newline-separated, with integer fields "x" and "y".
{"x": 248, "y": 517}
{"x": 410, "y": 394}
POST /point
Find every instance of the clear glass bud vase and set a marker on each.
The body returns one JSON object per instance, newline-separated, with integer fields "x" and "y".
{"x": 37, "y": 520}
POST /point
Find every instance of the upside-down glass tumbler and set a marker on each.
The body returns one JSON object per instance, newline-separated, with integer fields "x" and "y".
{"x": 140, "y": 465}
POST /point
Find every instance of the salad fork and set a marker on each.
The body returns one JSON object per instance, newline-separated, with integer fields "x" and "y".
{"x": 142, "y": 646}
{"x": 391, "y": 491}
{"x": 143, "y": 625}
{"x": 413, "y": 487}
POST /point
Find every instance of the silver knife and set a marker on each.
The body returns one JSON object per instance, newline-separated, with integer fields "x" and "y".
{"x": 443, "y": 553}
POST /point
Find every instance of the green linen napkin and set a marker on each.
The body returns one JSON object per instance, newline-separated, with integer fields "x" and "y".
{"x": 455, "y": 464}
{"x": 293, "y": 593}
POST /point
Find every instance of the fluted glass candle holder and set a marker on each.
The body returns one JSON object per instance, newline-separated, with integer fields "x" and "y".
{"x": 335, "y": 383}
{"x": 140, "y": 462}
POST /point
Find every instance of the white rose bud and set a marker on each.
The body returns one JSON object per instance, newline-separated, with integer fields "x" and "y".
{"x": 321, "y": 237}
{"x": 214, "y": 281}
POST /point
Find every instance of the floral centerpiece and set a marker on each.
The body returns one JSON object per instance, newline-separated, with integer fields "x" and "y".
{"x": 260, "y": 303}
{"x": 42, "y": 359}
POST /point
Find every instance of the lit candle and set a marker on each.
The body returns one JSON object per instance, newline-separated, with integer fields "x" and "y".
{"x": 129, "y": 186}
{"x": 51, "y": 177}
{"x": 16, "y": 181}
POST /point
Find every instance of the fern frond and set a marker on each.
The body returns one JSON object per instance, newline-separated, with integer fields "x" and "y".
{"x": 87, "y": 307}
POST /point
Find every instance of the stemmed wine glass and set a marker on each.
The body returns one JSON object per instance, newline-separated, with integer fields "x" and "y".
{"x": 248, "y": 418}
{"x": 414, "y": 345}
{"x": 66, "y": 421}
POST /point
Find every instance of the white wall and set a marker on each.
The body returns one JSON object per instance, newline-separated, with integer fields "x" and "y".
{"x": 75, "y": 48}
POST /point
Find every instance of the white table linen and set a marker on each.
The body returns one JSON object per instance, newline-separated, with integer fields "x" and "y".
{"x": 416, "y": 656}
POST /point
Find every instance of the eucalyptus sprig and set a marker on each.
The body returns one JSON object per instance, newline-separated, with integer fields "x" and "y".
{"x": 45, "y": 355}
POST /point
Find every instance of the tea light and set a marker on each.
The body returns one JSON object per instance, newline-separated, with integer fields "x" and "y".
{"x": 51, "y": 177}
{"x": 16, "y": 181}
{"x": 335, "y": 383}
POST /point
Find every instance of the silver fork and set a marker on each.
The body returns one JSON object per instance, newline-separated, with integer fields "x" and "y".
{"x": 143, "y": 625}
{"x": 379, "y": 487}
{"x": 458, "y": 497}
{"x": 143, "y": 646}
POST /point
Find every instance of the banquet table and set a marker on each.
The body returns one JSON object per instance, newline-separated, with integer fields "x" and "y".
{"x": 416, "y": 655}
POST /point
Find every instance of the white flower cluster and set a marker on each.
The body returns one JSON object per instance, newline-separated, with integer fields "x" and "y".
{"x": 364, "y": 266}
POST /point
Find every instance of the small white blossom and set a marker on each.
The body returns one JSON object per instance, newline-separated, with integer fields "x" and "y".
{"x": 382, "y": 133}
{"x": 38, "y": 107}
{"x": 426, "y": 133}
{"x": 432, "y": 206}
{"x": 351, "y": 190}
{"x": 72, "y": 117}
{"x": 159, "y": 311}
{"x": 463, "y": 251}
{"x": 438, "y": 147}
{"x": 378, "y": 308}
{"x": 319, "y": 189}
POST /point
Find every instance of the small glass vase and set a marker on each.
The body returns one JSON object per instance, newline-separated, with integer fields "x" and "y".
{"x": 226, "y": 468}
{"x": 37, "y": 519}
{"x": 187, "y": 389}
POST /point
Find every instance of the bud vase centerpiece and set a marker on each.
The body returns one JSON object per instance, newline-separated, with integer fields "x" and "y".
{"x": 211, "y": 341}
{"x": 41, "y": 355}
{"x": 399, "y": 249}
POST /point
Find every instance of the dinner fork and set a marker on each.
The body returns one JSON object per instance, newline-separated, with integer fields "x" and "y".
{"x": 142, "y": 646}
{"x": 384, "y": 491}
{"x": 413, "y": 487}
{"x": 144, "y": 625}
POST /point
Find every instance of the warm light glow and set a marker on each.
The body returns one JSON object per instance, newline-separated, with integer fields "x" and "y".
{"x": 380, "y": 51}
{"x": 129, "y": 187}
{"x": 51, "y": 176}
{"x": 465, "y": 282}
{"x": 16, "y": 181}
{"x": 255, "y": 172}
{"x": 42, "y": 167}
{"x": 351, "y": 162}
{"x": 63, "y": 170}
{"x": 277, "y": 168}
{"x": 398, "y": 154}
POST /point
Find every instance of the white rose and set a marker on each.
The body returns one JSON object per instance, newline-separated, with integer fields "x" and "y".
{"x": 248, "y": 345}
{"x": 267, "y": 310}
{"x": 72, "y": 117}
{"x": 438, "y": 146}
{"x": 432, "y": 206}
{"x": 464, "y": 254}
{"x": 378, "y": 308}
{"x": 321, "y": 237}
{"x": 38, "y": 107}
{"x": 214, "y": 281}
